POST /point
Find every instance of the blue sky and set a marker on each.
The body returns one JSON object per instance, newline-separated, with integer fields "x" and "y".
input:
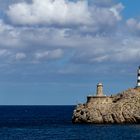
{"x": 55, "y": 52}
{"x": 131, "y": 8}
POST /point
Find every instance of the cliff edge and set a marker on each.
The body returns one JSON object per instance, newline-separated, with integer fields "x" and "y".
{"x": 121, "y": 108}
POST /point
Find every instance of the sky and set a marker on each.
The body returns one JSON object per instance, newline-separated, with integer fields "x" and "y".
{"x": 54, "y": 52}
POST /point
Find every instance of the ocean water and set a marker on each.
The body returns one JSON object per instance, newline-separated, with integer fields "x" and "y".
{"x": 54, "y": 123}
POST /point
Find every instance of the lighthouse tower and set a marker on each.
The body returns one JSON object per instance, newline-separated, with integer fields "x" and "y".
{"x": 99, "y": 89}
{"x": 138, "y": 78}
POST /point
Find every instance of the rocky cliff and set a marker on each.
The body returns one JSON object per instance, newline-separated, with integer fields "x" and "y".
{"x": 121, "y": 108}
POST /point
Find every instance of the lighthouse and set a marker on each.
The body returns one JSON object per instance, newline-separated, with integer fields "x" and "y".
{"x": 99, "y": 89}
{"x": 138, "y": 78}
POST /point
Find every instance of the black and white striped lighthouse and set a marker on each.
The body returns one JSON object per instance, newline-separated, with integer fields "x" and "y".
{"x": 138, "y": 78}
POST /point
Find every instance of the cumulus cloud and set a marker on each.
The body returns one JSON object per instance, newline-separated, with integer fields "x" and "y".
{"x": 64, "y": 13}
{"x": 50, "y": 12}
{"x": 133, "y": 25}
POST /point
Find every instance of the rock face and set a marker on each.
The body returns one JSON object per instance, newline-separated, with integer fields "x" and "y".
{"x": 120, "y": 108}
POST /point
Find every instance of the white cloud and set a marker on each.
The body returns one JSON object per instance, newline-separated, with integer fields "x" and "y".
{"x": 20, "y": 56}
{"x": 50, "y": 12}
{"x": 9, "y": 36}
{"x": 116, "y": 9}
{"x": 4, "y": 27}
{"x": 49, "y": 55}
{"x": 64, "y": 13}
{"x": 109, "y": 50}
{"x": 131, "y": 22}
{"x": 133, "y": 25}
{"x": 51, "y": 44}
{"x": 4, "y": 53}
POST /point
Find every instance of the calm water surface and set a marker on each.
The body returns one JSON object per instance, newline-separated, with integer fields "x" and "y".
{"x": 54, "y": 123}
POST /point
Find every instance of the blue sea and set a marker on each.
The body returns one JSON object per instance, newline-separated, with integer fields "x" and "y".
{"x": 54, "y": 123}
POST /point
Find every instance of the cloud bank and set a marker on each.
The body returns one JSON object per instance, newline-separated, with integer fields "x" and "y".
{"x": 68, "y": 33}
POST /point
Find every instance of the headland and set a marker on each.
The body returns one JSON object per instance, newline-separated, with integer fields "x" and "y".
{"x": 121, "y": 108}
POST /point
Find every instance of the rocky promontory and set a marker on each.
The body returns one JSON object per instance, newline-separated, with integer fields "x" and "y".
{"x": 121, "y": 108}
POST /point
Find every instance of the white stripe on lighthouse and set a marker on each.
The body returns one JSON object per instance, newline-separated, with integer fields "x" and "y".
{"x": 138, "y": 77}
{"x": 138, "y": 85}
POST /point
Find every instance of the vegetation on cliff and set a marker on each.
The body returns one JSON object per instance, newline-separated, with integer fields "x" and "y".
{"x": 121, "y": 108}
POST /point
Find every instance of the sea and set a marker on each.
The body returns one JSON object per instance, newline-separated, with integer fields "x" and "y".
{"x": 54, "y": 123}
